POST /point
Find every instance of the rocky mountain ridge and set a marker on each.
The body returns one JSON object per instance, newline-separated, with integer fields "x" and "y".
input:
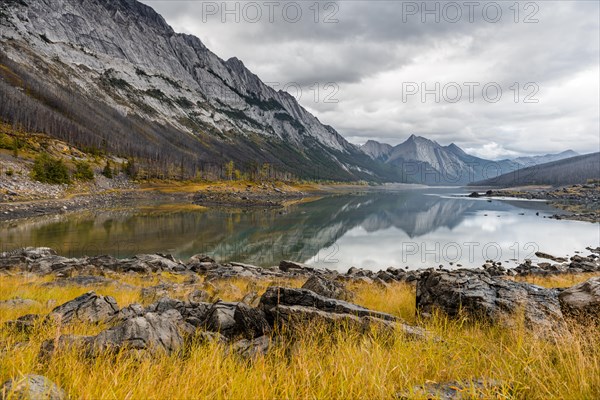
{"x": 123, "y": 57}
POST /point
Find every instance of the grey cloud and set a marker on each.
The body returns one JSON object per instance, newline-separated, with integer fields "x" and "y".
{"x": 371, "y": 51}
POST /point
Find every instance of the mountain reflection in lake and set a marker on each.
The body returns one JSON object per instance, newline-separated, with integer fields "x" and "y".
{"x": 414, "y": 228}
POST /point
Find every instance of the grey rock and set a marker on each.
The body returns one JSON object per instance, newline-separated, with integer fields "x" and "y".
{"x": 24, "y": 323}
{"x": 81, "y": 280}
{"x": 153, "y": 293}
{"x": 582, "y": 301}
{"x": 199, "y": 296}
{"x": 250, "y": 322}
{"x": 478, "y": 389}
{"x": 251, "y": 299}
{"x": 18, "y": 302}
{"x": 251, "y": 349}
{"x": 50, "y": 347}
{"x": 31, "y": 387}
{"x": 291, "y": 266}
{"x": 220, "y": 318}
{"x": 193, "y": 313}
{"x": 275, "y": 296}
{"x": 152, "y": 332}
{"x": 125, "y": 313}
{"x": 490, "y": 298}
{"x": 88, "y": 307}
{"x": 327, "y": 288}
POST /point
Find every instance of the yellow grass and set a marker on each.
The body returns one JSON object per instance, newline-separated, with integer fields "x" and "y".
{"x": 315, "y": 363}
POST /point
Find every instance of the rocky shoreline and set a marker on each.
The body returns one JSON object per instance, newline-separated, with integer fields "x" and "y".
{"x": 256, "y": 325}
{"x": 580, "y": 202}
{"x": 261, "y": 196}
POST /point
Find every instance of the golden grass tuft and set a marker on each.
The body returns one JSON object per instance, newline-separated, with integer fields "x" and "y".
{"x": 313, "y": 363}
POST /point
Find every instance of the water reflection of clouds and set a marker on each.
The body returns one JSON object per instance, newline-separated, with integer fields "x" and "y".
{"x": 374, "y": 231}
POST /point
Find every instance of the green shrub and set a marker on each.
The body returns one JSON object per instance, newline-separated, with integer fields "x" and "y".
{"x": 130, "y": 169}
{"x": 107, "y": 171}
{"x": 47, "y": 169}
{"x": 83, "y": 171}
{"x": 10, "y": 172}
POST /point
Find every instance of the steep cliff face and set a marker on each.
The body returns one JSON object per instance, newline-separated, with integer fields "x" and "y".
{"x": 123, "y": 56}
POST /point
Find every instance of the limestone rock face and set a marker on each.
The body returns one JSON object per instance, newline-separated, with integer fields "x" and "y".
{"x": 124, "y": 55}
{"x": 152, "y": 332}
{"x": 492, "y": 298}
{"x": 88, "y": 307}
{"x": 582, "y": 301}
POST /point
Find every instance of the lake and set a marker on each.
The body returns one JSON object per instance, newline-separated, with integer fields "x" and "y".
{"x": 412, "y": 228}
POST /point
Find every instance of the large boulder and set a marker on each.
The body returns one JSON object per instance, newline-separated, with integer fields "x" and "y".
{"x": 89, "y": 307}
{"x": 31, "y": 387}
{"x": 294, "y": 317}
{"x": 327, "y": 288}
{"x": 291, "y": 308}
{"x": 275, "y": 296}
{"x": 151, "y": 332}
{"x": 582, "y": 301}
{"x": 490, "y": 298}
{"x": 220, "y": 318}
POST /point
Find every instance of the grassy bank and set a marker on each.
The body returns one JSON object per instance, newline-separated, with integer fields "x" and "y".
{"x": 314, "y": 363}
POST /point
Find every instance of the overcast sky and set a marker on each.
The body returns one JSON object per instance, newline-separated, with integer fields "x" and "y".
{"x": 372, "y": 60}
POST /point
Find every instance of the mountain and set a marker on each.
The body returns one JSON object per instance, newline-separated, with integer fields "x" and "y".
{"x": 113, "y": 76}
{"x": 569, "y": 171}
{"x": 376, "y": 150}
{"x": 421, "y": 160}
{"x": 537, "y": 160}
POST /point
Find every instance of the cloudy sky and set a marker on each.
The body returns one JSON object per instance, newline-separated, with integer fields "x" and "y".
{"x": 496, "y": 78}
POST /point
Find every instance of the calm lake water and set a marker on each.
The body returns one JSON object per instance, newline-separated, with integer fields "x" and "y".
{"x": 406, "y": 228}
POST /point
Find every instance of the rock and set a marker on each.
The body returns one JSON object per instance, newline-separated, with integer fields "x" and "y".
{"x": 251, "y": 349}
{"x": 474, "y": 195}
{"x": 210, "y": 337}
{"x": 275, "y": 296}
{"x": 31, "y": 387}
{"x": 125, "y": 313}
{"x": 251, "y": 299}
{"x": 327, "y": 288}
{"x": 200, "y": 258}
{"x": 25, "y": 323}
{"x": 490, "y": 298}
{"x": 250, "y": 322}
{"x": 153, "y": 293}
{"x": 18, "y": 302}
{"x": 81, "y": 280}
{"x": 220, "y": 318}
{"x": 547, "y": 256}
{"x": 193, "y": 313}
{"x": 64, "y": 343}
{"x": 199, "y": 296}
{"x": 477, "y": 389}
{"x": 152, "y": 332}
{"x": 88, "y": 307}
{"x": 582, "y": 301}
{"x": 291, "y": 266}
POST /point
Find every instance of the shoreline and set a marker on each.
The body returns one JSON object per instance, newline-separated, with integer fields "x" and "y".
{"x": 47, "y": 261}
{"x": 580, "y": 202}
